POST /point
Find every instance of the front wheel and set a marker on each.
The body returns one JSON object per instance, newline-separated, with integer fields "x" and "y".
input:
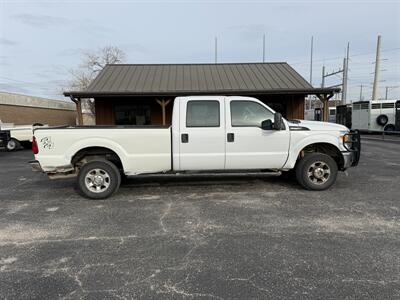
{"x": 99, "y": 179}
{"x": 316, "y": 171}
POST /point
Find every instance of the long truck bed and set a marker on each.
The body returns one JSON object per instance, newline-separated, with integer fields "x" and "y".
{"x": 142, "y": 149}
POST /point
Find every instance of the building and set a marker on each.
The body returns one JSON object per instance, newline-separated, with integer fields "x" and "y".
{"x": 141, "y": 94}
{"x": 23, "y": 110}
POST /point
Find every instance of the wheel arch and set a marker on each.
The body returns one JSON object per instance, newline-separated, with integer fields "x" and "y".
{"x": 325, "y": 147}
{"x": 96, "y": 152}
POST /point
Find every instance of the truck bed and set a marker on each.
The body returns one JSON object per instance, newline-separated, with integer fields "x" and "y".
{"x": 141, "y": 149}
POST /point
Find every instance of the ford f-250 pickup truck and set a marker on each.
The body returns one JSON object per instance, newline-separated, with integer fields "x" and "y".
{"x": 208, "y": 133}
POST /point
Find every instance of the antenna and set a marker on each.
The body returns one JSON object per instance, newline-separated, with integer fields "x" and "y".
{"x": 263, "y": 48}
{"x": 216, "y": 50}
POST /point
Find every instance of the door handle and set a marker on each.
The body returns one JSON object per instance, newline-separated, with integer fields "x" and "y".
{"x": 185, "y": 138}
{"x": 230, "y": 137}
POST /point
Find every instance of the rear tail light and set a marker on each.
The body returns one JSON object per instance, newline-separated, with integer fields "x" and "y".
{"x": 35, "y": 148}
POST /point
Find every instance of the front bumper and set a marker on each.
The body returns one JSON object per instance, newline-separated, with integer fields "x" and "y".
{"x": 35, "y": 165}
{"x": 351, "y": 157}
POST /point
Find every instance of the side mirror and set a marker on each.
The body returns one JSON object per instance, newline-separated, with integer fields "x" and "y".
{"x": 267, "y": 125}
{"x": 278, "y": 121}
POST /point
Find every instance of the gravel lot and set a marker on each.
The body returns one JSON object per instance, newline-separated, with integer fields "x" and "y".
{"x": 199, "y": 237}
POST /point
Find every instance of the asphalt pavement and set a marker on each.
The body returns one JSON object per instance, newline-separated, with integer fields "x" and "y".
{"x": 203, "y": 237}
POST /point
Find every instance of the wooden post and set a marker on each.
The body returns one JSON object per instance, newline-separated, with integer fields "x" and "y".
{"x": 163, "y": 104}
{"x": 325, "y": 102}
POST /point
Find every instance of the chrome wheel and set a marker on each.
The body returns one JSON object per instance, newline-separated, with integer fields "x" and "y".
{"x": 319, "y": 172}
{"x": 97, "y": 180}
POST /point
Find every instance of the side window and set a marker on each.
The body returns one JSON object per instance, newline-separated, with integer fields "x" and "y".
{"x": 249, "y": 113}
{"x": 202, "y": 113}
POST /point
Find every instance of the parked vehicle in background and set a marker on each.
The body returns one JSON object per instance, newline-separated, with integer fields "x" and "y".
{"x": 343, "y": 115}
{"x": 397, "y": 116}
{"x": 20, "y": 135}
{"x": 4, "y": 138}
{"x": 374, "y": 115}
{"x": 208, "y": 133}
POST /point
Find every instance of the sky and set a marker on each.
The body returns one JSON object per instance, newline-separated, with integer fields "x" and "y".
{"x": 41, "y": 41}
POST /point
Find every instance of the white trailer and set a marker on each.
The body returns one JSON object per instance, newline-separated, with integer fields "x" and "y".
{"x": 374, "y": 115}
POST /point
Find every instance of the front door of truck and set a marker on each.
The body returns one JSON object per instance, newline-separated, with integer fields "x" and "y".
{"x": 202, "y": 133}
{"x": 247, "y": 145}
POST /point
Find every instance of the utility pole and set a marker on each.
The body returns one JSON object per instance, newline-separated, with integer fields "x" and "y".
{"x": 216, "y": 50}
{"x": 361, "y": 87}
{"x": 386, "y": 92}
{"x": 345, "y": 74}
{"x": 311, "y": 58}
{"x": 264, "y": 48}
{"x": 375, "y": 92}
{"x": 323, "y": 77}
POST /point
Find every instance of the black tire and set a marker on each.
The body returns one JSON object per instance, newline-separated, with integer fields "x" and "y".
{"x": 310, "y": 168}
{"x": 109, "y": 182}
{"x": 390, "y": 128}
{"x": 382, "y": 120}
{"x": 13, "y": 144}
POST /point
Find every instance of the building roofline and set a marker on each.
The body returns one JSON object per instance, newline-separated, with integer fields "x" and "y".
{"x": 93, "y": 94}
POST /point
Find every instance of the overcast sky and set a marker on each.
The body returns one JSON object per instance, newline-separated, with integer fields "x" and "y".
{"x": 41, "y": 40}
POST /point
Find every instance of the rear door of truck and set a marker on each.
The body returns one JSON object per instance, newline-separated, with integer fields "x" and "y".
{"x": 202, "y": 133}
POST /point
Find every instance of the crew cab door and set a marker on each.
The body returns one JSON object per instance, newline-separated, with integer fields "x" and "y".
{"x": 202, "y": 133}
{"x": 247, "y": 145}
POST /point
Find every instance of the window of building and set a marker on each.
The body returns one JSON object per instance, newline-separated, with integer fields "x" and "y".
{"x": 132, "y": 114}
{"x": 249, "y": 113}
{"x": 202, "y": 113}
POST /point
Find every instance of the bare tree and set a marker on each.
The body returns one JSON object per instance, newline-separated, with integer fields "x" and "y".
{"x": 92, "y": 64}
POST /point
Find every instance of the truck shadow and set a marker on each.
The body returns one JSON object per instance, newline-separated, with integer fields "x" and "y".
{"x": 206, "y": 180}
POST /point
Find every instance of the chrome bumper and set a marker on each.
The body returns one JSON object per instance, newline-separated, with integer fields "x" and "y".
{"x": 35, "y": 165}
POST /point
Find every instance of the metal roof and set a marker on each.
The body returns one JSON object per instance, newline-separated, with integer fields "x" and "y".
{"x": 198, "y": 79}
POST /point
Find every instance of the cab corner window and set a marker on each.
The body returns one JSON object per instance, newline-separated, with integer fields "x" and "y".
{"x": 249, "y": 113}
{"x": 202, "y": 113}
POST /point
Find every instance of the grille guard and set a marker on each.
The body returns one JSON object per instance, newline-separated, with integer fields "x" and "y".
{"x": 353, "y": 144}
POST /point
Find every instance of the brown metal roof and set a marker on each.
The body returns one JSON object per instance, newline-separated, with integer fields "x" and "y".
{"x": 197, "y": 79}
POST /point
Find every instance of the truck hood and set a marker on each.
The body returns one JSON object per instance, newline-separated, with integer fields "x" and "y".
{"x": 316, "y": 126}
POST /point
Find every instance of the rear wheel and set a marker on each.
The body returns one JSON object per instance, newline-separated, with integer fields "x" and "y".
{"x": 316, "y": 171}
{"x": 13, "y": 144}
{"x": 99, "y": 179}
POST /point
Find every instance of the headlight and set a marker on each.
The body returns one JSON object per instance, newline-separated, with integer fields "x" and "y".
{"x": 345, "y": 138}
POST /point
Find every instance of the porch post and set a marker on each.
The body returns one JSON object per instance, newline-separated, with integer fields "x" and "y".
{"x": 325, "y": 108}
{"x": 163, "y": 104}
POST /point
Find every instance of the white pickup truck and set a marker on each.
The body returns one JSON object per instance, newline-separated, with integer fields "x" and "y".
{"x": 208, "y": 133}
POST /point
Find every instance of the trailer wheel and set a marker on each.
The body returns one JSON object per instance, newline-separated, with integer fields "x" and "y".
{"x": 98, "y": 179}
{"x": 316, "y": 171}
{"x": 13, "y": 144}
{"x": 382, "y": 120}
{"x": 389, "y": 128}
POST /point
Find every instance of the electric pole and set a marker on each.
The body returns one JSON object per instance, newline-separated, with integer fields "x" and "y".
{"x": 323, "y": 77}
{"x": 311, "y": 58}
{"x": 375, "y": 92}
{"x": 345, "y": 74}
{"x": 361, "y": 87}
